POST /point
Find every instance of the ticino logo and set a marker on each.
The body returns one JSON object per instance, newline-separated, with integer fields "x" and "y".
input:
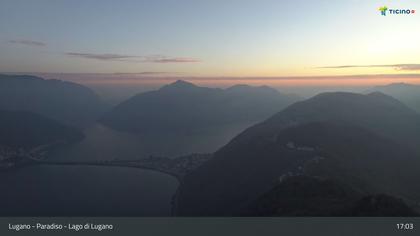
{"x": 384, "y": 10}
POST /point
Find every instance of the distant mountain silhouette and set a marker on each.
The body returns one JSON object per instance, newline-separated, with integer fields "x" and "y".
{"x": 376, "y": 112}
{"x": 183, "y": 107}
{"x": 28, "y": 130}
{"x": 361, "y": 141}
{"x": 409, "y": 94}
{"x": 66, "y": 102}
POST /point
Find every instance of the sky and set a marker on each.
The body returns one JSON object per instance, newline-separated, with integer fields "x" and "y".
{"x": 299, "y": 42}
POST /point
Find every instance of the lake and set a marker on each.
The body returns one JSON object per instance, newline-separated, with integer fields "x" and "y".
{"x": 85, "y": 191}
{"x": 98, "y": 190}
{"x": 102, "y": 143}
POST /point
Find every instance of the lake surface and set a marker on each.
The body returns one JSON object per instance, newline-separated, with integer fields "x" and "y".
{"x": 85, "y": 191}
{"x": 98, "y": 190}
{"x": 89, "y": 190}
{"x": 102, "y": 143}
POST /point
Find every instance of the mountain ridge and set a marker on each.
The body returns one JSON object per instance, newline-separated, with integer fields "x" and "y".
{"x": 69, "y": 103}
{"x": 183, "y": 107}
{"x": 409, "y": 94}
{"x": 334, "y": 135}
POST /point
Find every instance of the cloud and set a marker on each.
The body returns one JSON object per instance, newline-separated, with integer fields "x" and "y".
{"x": 28, "y": 43}
{"x": 132, "y": 58}
{"x": 164, "y": 59}
{"x": 146, "y": 73}
{"x": 102, "y": 57}
{"x": 409, "y": 67}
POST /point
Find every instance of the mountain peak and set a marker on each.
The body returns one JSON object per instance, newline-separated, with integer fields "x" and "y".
{"x": 180, "y": 84}
{"x": 402, "y": 84}
{"x": 351, "y": 97}
{"x": 385, "y": 98}
{"x": 387, "y": 87}
{"x": 409, "y": 94}
{"x": 240, "y": 88}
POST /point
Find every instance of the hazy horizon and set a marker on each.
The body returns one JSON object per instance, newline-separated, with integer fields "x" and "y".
{"x": 117, "y": 87}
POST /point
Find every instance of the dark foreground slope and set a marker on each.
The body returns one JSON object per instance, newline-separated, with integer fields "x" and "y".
{"x": 66, "y": 102}
{"x": 360, "y": 141}
{"x": 182, "y": 107}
